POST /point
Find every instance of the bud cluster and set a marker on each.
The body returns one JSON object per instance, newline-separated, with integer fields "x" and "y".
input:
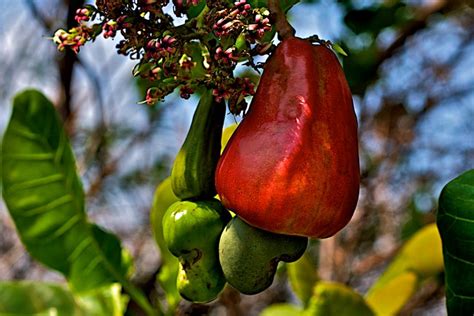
{"x": 202, "y": 52}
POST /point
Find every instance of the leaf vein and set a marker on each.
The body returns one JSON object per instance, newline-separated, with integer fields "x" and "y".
{"x": 49, "y": 206}
{"x": 36, "y": 182}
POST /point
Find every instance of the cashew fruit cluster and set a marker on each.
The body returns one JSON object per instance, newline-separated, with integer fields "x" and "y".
{"x": 289, "y": 171}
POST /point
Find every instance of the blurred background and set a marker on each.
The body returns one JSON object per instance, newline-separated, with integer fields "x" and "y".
{"x": 411, "y": 70}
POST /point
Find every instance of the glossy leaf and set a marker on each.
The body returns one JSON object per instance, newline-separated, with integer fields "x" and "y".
{"x": 45, "y": 198}
{"x": 37, "y": 298}
{"x": 303, "y": 276}
{"x": 282, "y": 309}
{"x": 456, "y": 225}
{"x": 334, "y": 299}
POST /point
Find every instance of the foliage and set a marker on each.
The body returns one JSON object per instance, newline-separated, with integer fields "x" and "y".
{"x": 45, "y": 199}
{"x": 420, "y": 258}
{"x": 456, "y": 226}
{"x": 36, "y": 298}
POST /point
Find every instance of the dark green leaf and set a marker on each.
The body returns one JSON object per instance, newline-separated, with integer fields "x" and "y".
{"x": 193, "y": 11}
{"x": 45, "y": 197}
{"x": 455, "y": 221}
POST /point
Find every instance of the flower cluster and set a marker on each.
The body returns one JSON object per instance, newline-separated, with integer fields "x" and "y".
{"x": 242, "y": 18}
{"x": 74, "y": 39}
{"x": 226, "y": 57}
{"x": 163, "y": 47}
{"x": 82, "y": 15}
{"x": 202, "y": 52}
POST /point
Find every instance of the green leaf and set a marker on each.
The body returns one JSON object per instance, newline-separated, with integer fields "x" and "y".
{"x": 282, "y": 309}
{"x": 167, "y": 278}
{"x": 338, "y": 49}
{"x": 455, "y": 221}
{"x": 420, "y": 257}
{"x": 335, "y": 299}
{"x": 194, "y": 10}
{"x": 31, "y": 298}
{"x": 197, "y": 52}
{"x": 303, "y": 276}
{"x": 107, "y": 300}
{"x": 38, "y": 298}
{"x": 45, "y": 198}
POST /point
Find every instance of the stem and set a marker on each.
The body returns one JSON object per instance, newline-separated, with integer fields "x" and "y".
{"x": 283, "y": 27}
{"x": 141, "y": 300}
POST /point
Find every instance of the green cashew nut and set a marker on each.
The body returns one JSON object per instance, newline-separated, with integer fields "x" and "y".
{"x": 191, "y": 231}
{"x": 249, "y": 256}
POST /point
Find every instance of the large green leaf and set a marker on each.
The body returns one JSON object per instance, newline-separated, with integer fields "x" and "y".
{"x": 335, "y": 299}
{"x": 456, "y": 225}
{"x": 46, "y": 201}
{"x": 37, "y": 298}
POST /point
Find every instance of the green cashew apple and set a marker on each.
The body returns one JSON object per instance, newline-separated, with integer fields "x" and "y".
{"x": 249, "y": 256}
{"x": 192, "y": 175}
{"x": 191, "y": 231}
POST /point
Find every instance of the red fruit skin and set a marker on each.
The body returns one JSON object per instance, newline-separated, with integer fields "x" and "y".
{"x": 292, "y": 165}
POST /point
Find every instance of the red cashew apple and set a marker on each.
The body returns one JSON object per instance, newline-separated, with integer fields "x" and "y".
{"x": 292, "y": 165}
